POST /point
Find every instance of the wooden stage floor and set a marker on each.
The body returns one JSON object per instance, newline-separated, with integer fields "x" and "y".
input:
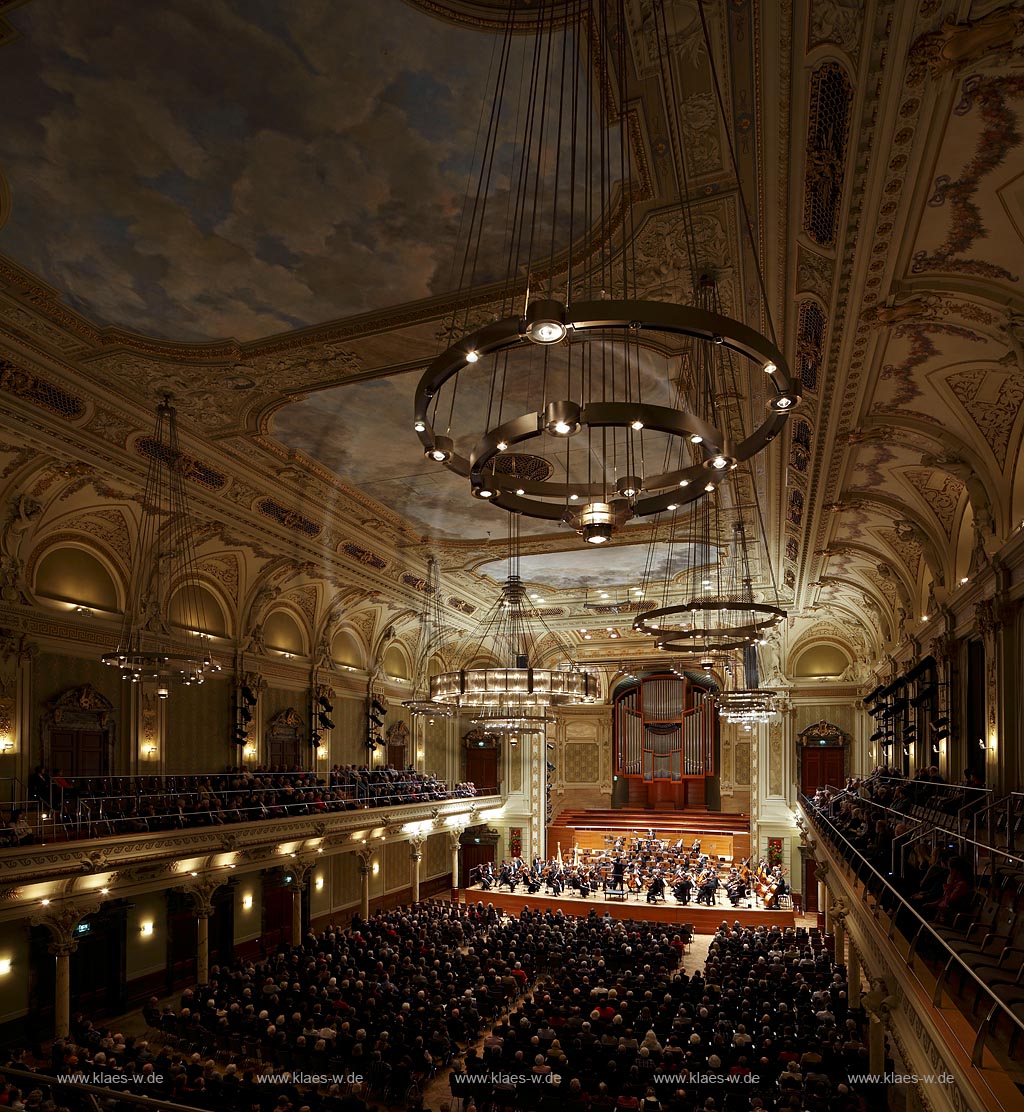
{"x": 705, "y": 920}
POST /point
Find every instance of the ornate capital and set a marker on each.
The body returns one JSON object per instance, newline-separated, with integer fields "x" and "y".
{"x": 200, "y": 892}
{"x": 61, "y": 922}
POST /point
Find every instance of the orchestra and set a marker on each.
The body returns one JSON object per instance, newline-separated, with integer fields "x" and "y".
{"x": 641, "y": 867}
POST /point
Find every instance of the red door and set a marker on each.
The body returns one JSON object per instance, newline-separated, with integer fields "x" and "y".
{"x": 821, "y": 766}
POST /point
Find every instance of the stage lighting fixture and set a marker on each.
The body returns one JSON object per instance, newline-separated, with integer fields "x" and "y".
{"x": 379, "y": 707}
{"x": 249, "y": 695}
{"x": 324, "y": 721}
{"x": 323, "y": 703}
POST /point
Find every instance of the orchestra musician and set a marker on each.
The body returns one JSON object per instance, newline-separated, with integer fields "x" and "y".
{"x": 683, "y": 888}
{"x": 656, "y": 889}
{"x": 487, "y": 876}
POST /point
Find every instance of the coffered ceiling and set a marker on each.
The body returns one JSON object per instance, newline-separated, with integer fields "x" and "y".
{"x": 255, "y": 208}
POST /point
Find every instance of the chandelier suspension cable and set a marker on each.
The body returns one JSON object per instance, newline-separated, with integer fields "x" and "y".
{"x": 155, "y": 644}
{"x": 739, "y": 184}
{"x": 603, "y": 373}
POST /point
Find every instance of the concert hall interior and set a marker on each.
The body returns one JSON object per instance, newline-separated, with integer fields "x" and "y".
{"x": 511, "y": 555}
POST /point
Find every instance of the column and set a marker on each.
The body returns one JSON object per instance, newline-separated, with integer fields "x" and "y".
{"x": 837, "y": 914}
{"x": 298, "y": 886}
{"x": 876, "y": 1045}
{"x": 878, "y": 1003}
{"x": 364, "y": 877}
{"x": 853, "y": 975}
{"x": 201, "y": 894}
{"x": 416, "y": 855}
{"x": 453, "y": 837}
{"x": 203, "y": 946}
{"x": 820, "y": 874}
{"x": 62, "y": 951}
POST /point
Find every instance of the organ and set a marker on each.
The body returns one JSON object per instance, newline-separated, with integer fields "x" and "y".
{"x": 665, "y": 728}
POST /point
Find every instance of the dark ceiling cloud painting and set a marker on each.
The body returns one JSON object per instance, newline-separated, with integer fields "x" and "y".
{"x": 234, "y": 168}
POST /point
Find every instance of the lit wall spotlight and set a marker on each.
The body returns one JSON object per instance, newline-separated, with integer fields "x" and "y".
{"x": 247, "y": 902}
{"x": 146, "y": 928}
{"x": 5, "y": 966}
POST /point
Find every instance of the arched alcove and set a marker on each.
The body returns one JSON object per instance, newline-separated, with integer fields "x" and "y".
{"x": 347, "y": 650}
{"x": 283, "y": 633}
{"x": 821, "y": 659}
{"x": 396, "y": 662}
{"x": 198, "y": 608}
{"x": 77, "y": 577}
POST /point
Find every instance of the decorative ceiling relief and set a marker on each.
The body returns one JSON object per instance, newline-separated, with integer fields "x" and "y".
{"x": 986, "y": 117}
{"x": 993, "y": 403}
{"x": 836, "y": 23}
{"x": 941, "y": 491}
{"x": 223, "y": 568}
{"x": 908, "y": 550}
{"x": 922, "y": 348}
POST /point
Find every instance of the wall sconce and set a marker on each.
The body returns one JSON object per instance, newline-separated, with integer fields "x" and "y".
{"x": 376, "y": 867}
{"x": 6, "y": 745}
{"x": 419, "y": 754}
{"x": 149, "y": 750}
{"x": 146, "y": 928}
{"x": 981, "y": 743}
{"x": 249, "y": 751}
{"x": 5, "y": 966}
{"x": 319, "y": 883}
{"x": 247, "y": 903}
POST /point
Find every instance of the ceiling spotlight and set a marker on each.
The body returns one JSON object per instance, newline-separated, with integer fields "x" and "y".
{"x": 441, "y": 450}
{"x": 720, "y": 462}
{"x": 636, "y": 425}
{"x": 471, "y": 356}
{"x": 628, "y": 486}
{"x": 520, "y": 491}
{"x": 502, "y": 445}
{"x": 673, "y": 506}
{"x": 573, "y": 497}
{"x": 709, "y": 487}
{"x": 684, "y": 482}
{"x": 483, "y": 492}
{"x": 562, "y": 418}
{"x": 545, "y": 321}
{"x": 696, "y": 438}
{"x": 783, "y": 402}
{"x": 770, "y": 368}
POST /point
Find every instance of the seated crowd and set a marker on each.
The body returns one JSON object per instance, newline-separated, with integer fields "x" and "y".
{"x": 99, "y": 807}
{"x": 868, "y": 818}
{"x": 579, "y": 1013}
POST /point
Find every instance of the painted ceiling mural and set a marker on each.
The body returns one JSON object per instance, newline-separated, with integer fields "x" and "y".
{"x": 194, "y": 171}
{"x": 222, "y": 168}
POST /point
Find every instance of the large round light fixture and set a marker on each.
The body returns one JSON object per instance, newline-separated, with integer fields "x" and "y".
{"x": 692, "y": 444}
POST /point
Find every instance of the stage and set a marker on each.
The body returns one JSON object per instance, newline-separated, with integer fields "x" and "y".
{"x": 705, "y": 920}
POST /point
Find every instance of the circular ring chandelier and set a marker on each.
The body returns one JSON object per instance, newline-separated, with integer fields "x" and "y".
{"x": 588, "y": 400}
{"x": 703, "y": 455}
{"x": 709, "y": 625}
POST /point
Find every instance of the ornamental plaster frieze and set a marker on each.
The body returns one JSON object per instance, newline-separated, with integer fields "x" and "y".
{"x": 839, "y": 410}
{"x": 251, "y": 843}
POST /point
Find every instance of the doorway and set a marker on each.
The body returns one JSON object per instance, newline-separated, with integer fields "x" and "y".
{"x": 820, "y": 766}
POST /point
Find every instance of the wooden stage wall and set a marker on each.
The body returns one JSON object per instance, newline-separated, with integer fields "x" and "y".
{"x": 705, "y": 920}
